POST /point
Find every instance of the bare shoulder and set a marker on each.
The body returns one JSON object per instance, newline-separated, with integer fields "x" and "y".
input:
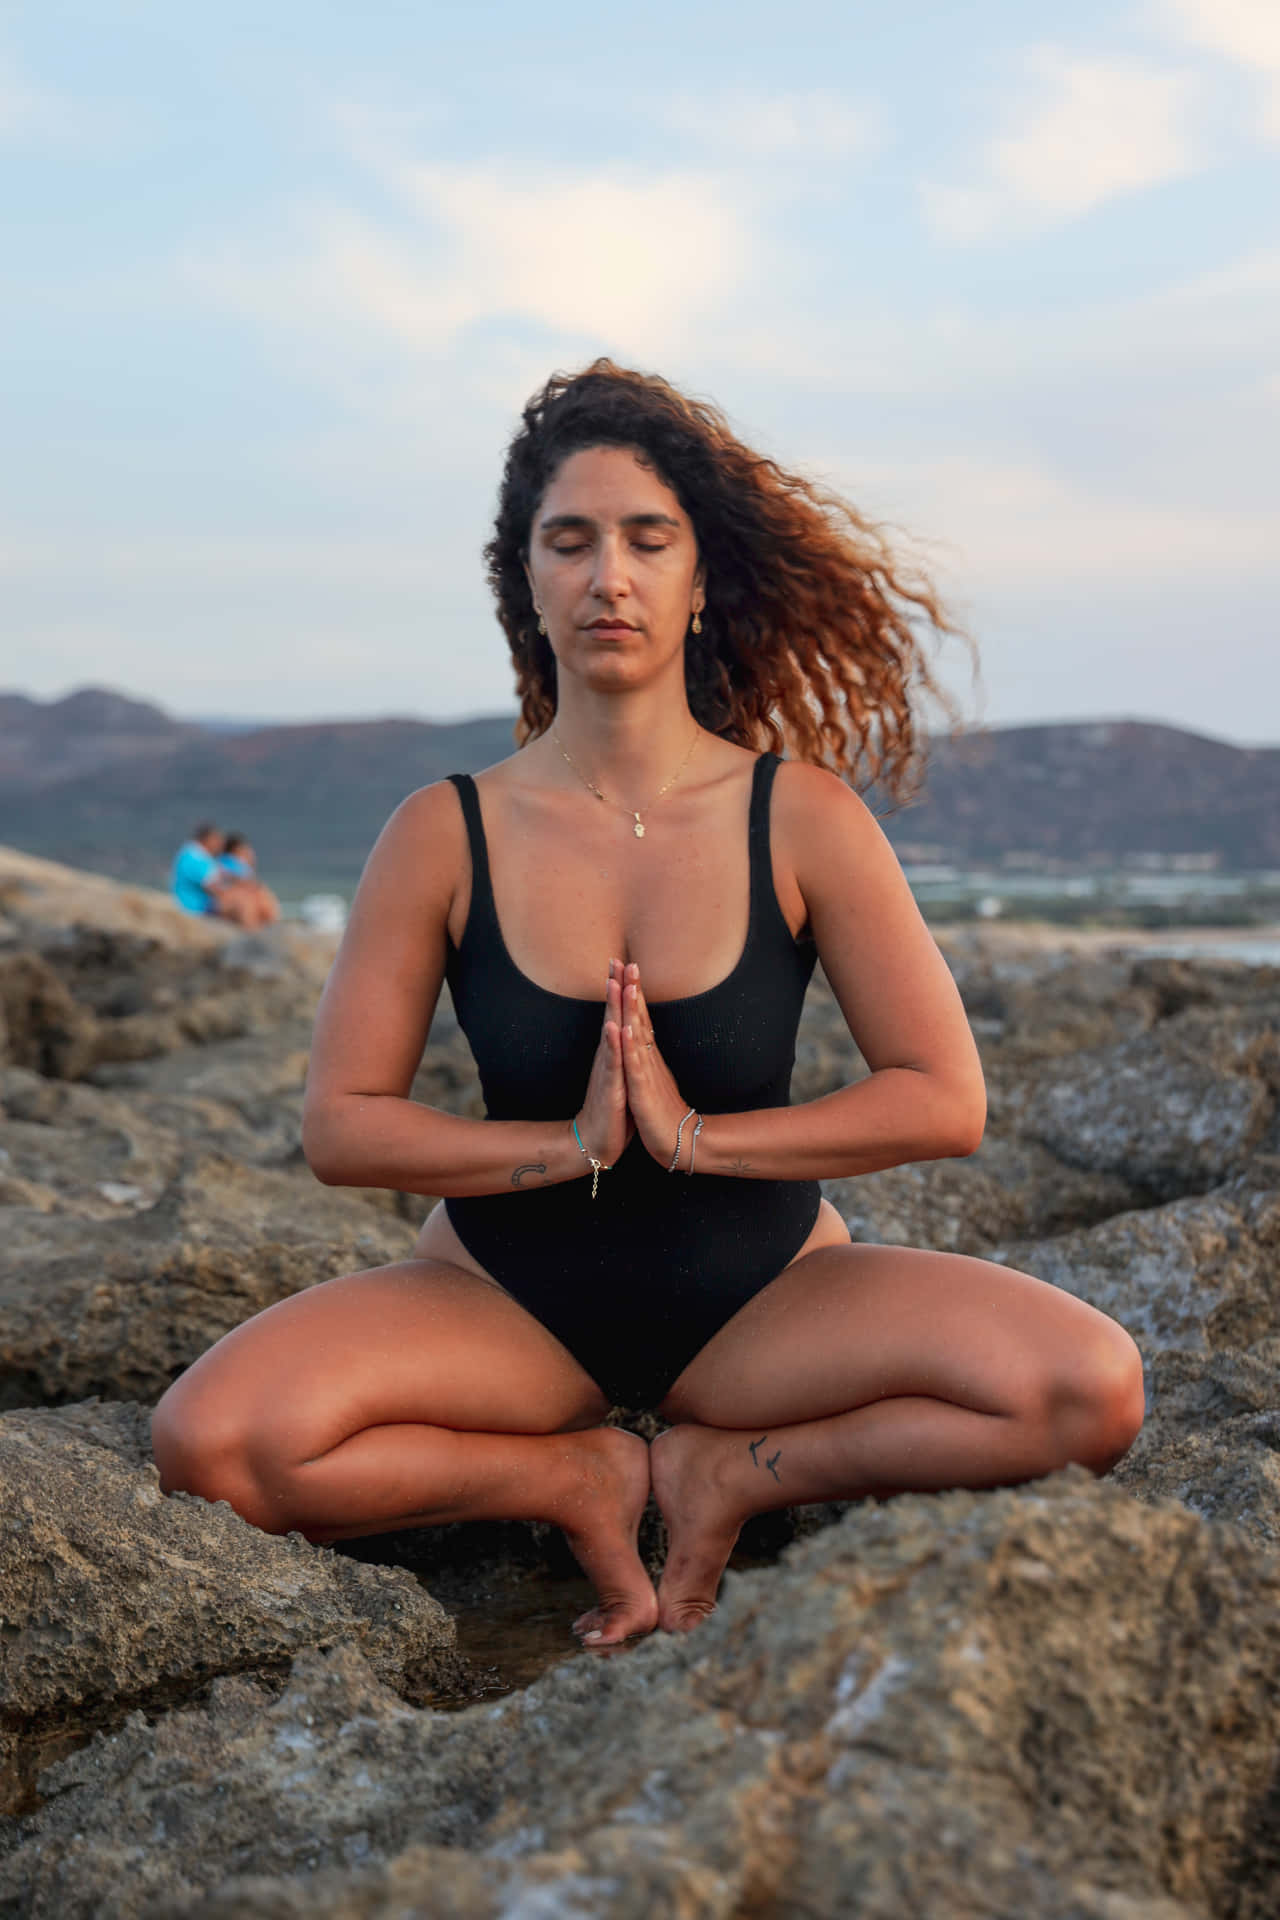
{"x": 816, "y": 810}
{"x": 423, "y": 837}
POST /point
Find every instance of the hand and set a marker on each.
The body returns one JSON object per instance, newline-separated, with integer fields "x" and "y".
{"x": 656, "y": 1102}
{"x": 604, "y": 1122}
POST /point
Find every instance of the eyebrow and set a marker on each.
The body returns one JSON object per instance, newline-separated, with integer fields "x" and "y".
{"x": 556, "y": 522}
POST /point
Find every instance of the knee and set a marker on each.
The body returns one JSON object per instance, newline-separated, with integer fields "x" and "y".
{"x": 1101, "y": 1403}
{"x": 202, "y": 1447}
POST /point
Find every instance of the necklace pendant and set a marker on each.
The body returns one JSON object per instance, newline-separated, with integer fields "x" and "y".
{"x": 638, "y": 828}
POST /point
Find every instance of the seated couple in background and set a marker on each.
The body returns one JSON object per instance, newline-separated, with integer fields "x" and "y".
{"x": 216, "y": 873}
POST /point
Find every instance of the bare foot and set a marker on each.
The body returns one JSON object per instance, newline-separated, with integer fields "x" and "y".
{"x": 601, "y": 1526}
{"x": 691, "y": 1467}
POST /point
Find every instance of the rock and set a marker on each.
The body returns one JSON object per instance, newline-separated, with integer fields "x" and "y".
{"x": 1008, "y": 1188}
{"x": 1055, "y": 1702}
{"x": 1174, "y": 1111}
{"x": 1212, "y": 1437}
{"x": 112, "y": 1595}
{"x": 50, "y": 894}
{"x": 1037, "y": 1006}
{"x": 77, "y": 998}
{"x": 1196, "y": 1275}
{"x": 121, "y": 1307}
{"x": 1049, "y": 1702}
{"x": 44, "y": 1029}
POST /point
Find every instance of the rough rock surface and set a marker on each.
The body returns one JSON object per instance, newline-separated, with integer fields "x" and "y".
{"x": 1059, "y": 1701}
{"x": 121, "y": 1305}
{"x": 1008, "y": 1189}
{"x": 915, "y": 1714}
{"x": 113, "y": 1595}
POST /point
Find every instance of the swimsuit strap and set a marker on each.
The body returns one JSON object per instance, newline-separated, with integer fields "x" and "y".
{"x": 764, "y": 901}
{"x": 482, "y": 903}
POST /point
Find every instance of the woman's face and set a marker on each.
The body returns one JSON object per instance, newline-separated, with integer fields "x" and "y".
{"x": 613, "y": 565}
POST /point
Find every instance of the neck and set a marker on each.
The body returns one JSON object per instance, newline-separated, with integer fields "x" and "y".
{"x": 628, "y": 745}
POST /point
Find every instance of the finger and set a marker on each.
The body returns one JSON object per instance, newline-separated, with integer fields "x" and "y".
{"x": 642, "y": 1010}
{"x": 635, "y": 1014}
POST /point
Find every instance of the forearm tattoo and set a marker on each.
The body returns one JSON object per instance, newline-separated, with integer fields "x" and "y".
{"x": 738, "y": 1169}
{"x": 532, "y": 1170}
{"x": 771, "y": 1462}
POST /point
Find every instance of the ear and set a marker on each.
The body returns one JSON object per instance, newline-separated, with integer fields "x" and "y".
{"x": 533, "y": 595}
{"x": 699, "y": 589}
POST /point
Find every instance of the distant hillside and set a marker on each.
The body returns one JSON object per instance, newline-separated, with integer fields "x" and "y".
{"x": 1097, "y": 791}
{"x": 44, "y": 742}
{"x": 311, "y": 798}
{"x": 113, "y": 785}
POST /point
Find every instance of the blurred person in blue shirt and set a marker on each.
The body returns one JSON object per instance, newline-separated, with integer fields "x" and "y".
{"x": 197, "y": 876}
{"x": 214, "y": 874}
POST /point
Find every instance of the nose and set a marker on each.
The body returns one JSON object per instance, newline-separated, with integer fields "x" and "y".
{"x": 609, "y": 577}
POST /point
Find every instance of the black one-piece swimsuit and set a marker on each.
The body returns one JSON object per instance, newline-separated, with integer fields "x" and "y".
{"x": 637, "y": 1281}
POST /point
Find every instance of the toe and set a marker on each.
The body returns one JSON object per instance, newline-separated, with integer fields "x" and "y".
{"x": 608, "y": 1626}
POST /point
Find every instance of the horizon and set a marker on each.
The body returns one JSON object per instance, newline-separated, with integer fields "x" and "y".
{"x": 251, "y": 723}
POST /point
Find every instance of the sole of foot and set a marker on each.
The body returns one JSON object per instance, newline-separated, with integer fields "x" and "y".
{"x": 613, "y": 1496}
{"x": 687, "y": 1465}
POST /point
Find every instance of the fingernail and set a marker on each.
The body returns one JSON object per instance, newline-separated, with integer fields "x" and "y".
{"x": 595, "y": 1634}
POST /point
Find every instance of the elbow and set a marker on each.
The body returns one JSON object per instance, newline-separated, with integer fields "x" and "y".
{"x": 320, "y": 1148}
{"x": 965, "y": 1128}
{"x": 959, "y": 1122}
{"x": 965, "y": 1140}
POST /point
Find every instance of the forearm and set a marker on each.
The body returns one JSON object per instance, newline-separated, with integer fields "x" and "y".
{"x": 380, "y": 1140}
{"x": 895, "y": 1116}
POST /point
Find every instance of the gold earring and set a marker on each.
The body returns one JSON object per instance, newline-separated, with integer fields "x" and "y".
{"x": 697, "y": 621}
{"x": 542, "y": 625}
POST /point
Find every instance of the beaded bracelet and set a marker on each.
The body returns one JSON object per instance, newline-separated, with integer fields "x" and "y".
{"x": 597, "y": 1166}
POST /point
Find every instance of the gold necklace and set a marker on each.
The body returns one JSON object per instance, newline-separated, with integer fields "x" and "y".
{"x": 638, "y": 828}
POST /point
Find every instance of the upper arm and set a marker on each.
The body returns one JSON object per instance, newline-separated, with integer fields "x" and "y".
{"x": 376, "y": 1009}
{"x": 893, "y": 985}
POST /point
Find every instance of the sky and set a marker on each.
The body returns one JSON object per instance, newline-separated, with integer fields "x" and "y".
{"x": 275, "y": 282}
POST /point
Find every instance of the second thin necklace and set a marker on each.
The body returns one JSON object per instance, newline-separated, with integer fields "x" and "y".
{"x": 635, "y": 812}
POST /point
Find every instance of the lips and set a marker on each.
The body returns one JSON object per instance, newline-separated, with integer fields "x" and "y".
{"x": 610, "y": 626}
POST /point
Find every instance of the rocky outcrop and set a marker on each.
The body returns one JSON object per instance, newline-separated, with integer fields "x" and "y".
{"x": 915, "y": 1714}
{"x": 113, "y": 1596}
{"x": 128, "y": 1250}
{"x": 1058, "y": 1701}
{"x": 1009, "y": 1189}
{"x": 1197, "y": 1275}
{"x": 1179, "y": 1109}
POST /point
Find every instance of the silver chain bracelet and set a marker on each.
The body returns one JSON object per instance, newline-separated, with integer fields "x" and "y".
{"x": 675, "y": 1158}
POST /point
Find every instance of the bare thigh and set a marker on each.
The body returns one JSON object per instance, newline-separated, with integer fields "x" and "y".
{"x": 845, "y": 1326}
{"x": 420, "y": 1342}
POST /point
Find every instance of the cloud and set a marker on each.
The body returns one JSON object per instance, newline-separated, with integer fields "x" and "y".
{"x": 584, "y": 255}
{"x": 1010, "y": 524}
{"x": 1246, "y": 32}
{"x": 780, "y": 126}
{"x": 27, "y": 110}
{"x": 1097, "y": 129}
{"x": 227, "y": 563}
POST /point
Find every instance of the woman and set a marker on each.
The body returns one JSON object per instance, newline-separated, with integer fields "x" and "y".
{"x": 628, "y": 911}
{"x": 256, "y": 902}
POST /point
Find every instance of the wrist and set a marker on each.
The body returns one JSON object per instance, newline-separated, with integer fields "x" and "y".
{"x": 685, "y": 1146}
{"x": 590, "y": 1162}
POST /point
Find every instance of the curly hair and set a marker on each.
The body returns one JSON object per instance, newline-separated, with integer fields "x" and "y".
{"x": 809, "y": 638}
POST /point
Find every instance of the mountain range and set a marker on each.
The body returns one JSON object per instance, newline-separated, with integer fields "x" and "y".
{"x": 113, "y": 784}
